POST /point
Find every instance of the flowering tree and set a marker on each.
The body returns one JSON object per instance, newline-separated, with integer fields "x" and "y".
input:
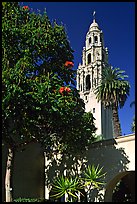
{"x": 39, "y": 100}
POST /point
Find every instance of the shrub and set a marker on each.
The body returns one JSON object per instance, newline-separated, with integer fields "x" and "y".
{"x": 30, "y": 200}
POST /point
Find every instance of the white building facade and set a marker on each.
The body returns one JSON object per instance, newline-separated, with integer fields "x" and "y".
{"x": 94, "y": 60}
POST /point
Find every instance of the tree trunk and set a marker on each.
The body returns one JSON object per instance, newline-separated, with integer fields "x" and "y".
{"x": 116, "y": 122}
{"x": 8, "y": 176}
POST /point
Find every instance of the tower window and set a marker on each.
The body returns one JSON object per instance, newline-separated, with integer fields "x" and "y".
{"x": 89, "y": 58}
{"x": 93, "y": 110}
{"x": 78, "y": 86}
{"x": 96, "y": 39}
{"x": 103, "y": 56}
{"x": 81, "y": 87}
{"x": 88, "y": 83}
{"x": 94, "y": 82}
{"x": 89, "y": 40}
{"x": 79, "y": 81}
{"x": 86, "y": 97}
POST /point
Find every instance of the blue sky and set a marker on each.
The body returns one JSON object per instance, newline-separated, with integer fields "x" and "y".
{"x": 116, "y": 20}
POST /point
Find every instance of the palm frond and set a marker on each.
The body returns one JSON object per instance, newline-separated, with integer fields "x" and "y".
{"x": 113, "y": 88}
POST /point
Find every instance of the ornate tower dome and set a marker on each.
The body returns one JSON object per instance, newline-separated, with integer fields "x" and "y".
{"x": 93, "y": 25}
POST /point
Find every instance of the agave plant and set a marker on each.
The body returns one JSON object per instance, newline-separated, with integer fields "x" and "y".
{"x": 71, "y": 186}
{"x": 94, "y": 176}
{"x": 93, "y": 179}
{"x": 63, "y": 185}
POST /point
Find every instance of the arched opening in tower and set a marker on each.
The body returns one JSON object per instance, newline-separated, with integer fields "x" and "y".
{"x": 89, "y": 58}
{"x": 89, "y": 40}
{"x": 103, "y": 56}
{"x": 95, "y": 39}
{"x": 88, "y": 83}
{"x": 79, "y": 82}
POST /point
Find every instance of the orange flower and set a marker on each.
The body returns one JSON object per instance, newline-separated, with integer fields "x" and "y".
{"x": 69, "y": 64}
{"x": 61, "y": 90}
{"x": 25, "y": 7}
{"x": 67, "y": 89}
{"x": 64, "y": 89}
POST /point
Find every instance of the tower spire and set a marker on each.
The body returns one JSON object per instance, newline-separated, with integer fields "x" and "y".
{"x": 94, "y": 16}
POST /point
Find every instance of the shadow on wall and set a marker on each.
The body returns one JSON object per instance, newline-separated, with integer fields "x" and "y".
{"x": 105, "y": 153}
{"x": 29, "y": 178}
{"x": 28, "y": 172}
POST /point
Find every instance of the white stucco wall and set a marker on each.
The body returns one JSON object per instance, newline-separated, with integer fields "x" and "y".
{"x": 128, "y": 143}
{"x": 114, "y": 155}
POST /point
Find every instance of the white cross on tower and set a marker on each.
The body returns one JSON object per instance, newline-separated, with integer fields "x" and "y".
{"x": 94, "y": 15}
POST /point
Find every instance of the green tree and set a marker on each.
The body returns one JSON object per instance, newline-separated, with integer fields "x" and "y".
{"x": 113, "y": 91}
{"x": 39, "y": 100}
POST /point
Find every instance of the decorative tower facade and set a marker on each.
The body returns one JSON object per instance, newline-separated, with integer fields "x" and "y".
{"x": 94, "y": 60}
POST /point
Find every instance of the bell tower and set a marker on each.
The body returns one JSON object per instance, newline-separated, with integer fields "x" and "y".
{"x": 94, "y": 59}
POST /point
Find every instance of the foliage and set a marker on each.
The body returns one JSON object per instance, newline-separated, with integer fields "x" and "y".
{"x": 113, "y": 91}
{"x": 37, "y": 61}
{"x": 30, "y": 200}
{"x": 64, "y": 185}
{"x": 93, "y": 178}
{"x": 26, "y": 200}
